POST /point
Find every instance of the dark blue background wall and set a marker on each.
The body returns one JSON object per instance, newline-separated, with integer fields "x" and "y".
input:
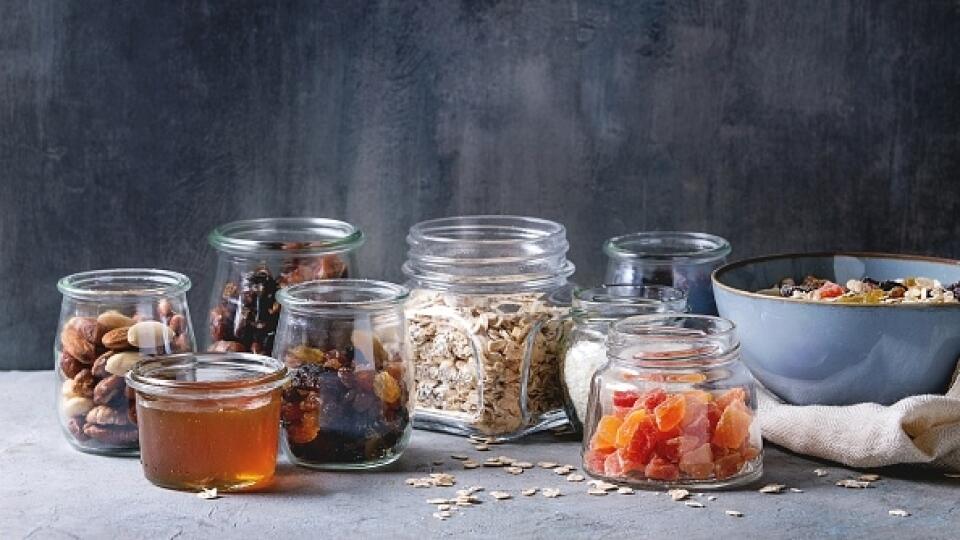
{"x": 129, "y": 129}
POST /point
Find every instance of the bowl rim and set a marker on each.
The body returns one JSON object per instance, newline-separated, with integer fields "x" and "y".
{"x": 716, "y": 275}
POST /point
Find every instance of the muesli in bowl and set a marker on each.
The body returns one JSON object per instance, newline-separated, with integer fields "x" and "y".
{"x": 911, "y": 290}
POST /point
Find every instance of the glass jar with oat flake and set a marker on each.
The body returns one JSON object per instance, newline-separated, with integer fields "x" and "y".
{"x": 486, "y": 316}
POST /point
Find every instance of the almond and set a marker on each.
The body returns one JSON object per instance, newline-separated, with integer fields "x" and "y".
{"x": 114, "y": 319}
{"x": 150, "y": 335}
{"x": 75, "y": 345}
{"x": 116, "y": 339}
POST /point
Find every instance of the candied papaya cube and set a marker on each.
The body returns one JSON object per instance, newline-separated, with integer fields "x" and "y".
{"x": 670, "y": 412}
{"x": 631, "y": 461}
{"x": 698, "y": 463}
{"x": 749, "y": 452}
{"x": 629, "y": 427}
{"x": 661, "y": 469}
{"x": 669, "y": 444}
{"x": 624, "y": 398}
{"x": 733, "y": 426}
{"x": 606, "y": 433}
{"x": 728, "y": 465}
{"x": 593, "y": 460}
{"x": 612, "y": 466}
{"x": 731, "y": 395}
{"x": 830, "y": 290}
{"x": 651, "y": 399}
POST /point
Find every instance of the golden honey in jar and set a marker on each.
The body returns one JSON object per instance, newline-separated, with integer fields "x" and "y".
{"x": 209, "y": 420}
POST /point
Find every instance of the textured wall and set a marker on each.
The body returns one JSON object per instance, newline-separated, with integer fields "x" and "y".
{"x": 127, "y": 130}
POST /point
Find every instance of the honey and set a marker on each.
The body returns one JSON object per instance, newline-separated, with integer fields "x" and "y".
{"x": 209, "y": 420}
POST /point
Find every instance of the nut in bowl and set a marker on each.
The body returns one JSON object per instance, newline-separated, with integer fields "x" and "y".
{"x": 858, "y": 330}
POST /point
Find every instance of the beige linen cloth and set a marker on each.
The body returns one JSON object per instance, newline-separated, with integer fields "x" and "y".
{"x": 918, "y": 429}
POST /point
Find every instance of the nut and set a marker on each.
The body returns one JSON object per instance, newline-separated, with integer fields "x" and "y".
{"x": 76, "y": 406}
{"x": 83, "y": 383}
{"x": 116, "y": 339}
{"x": 106, "y": 416}
{"x": 69, "y": 365}
{"x": 114, "y": 319}
{"x": 75, "y": 427}
{"x": 109, "y": 390}
{"x": 122, "y": 362}
{"x": 76, "y": 345}
{"x": 181, "y": 344}
{"x": 86, "y": 326}
{"x": 66, "y": 389}
{"x": 178, "y": 323}
{"x": 150, "y": 335}
{"x": 227, "y": 346}
{"x": 111, "y": 436}
{"x": 99, "y": 368}
{"x": 164, "y": 308}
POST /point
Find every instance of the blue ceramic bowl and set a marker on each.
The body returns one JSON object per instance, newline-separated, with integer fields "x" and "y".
{"x": 835, "y": 354}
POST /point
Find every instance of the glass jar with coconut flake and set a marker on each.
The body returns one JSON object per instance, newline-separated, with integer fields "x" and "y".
{"x": 584, "y": 349}
{"x": 486, "y": 316}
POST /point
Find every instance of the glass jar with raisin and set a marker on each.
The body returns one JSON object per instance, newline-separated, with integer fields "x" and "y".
{"x": 349, "y": 403}
{"x": 257, "y": 258}
{"x": 109, "y": 320}
{"x": 673, "y": 406}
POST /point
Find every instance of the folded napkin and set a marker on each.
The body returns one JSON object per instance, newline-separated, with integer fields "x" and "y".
{"x": 918, "y": 429}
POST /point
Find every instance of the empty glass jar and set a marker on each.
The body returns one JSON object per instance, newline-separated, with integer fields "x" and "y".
{"x": 674, "y": 406}
{"x": 109, "y": 320}
{"x": 349, "y": 404}
{"x": 258, "y": 257}
{"x": 486, "y": 318}
{"x": 683, "y": 260}
{"x": 584, "y": 348}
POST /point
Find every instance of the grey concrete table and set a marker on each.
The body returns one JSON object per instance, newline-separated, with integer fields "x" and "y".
{"x": 49, "y": 490}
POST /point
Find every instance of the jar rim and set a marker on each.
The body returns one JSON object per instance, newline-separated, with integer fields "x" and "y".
{"x": 288, "y": 235}
{"x": 699, "y": 339}
{"x": 667, "y": 246}
{"x": 266, "y": 374}
{"x": 342, "y": 294}
{"x": 605, "y": 297}
{"x": 450, "y": 229}
{"x": 115, "y": 283}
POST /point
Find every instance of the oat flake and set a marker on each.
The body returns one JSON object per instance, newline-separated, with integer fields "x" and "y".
{"x": 897, "y": 512}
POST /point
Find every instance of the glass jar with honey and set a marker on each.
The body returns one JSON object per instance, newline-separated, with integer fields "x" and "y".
{"x": 209, "y": 420}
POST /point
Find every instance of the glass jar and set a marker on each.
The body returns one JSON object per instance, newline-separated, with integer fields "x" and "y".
{"x": 485, "y": 319}
{"x": 584, "y": 348}
{"x": 683, "y": 260}
{"x": 258, "y": 257}
{"x": 349, "y": 403}
{"x": 209, "y": 420}
{"x": 674, "y": 406}
{"x": 109, "y": 319}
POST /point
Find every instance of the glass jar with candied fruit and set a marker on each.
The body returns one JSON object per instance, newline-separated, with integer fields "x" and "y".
{"x": 673, "y": 406}
{"x": 349, "y": 403}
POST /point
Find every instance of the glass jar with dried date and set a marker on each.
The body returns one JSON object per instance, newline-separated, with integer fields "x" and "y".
{"x": 257, "y": 258}
{"x": 349, "y": 403}
{"x": 109, "y": 320}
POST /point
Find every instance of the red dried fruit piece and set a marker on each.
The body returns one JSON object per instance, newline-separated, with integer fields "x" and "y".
{"x": 698, "y": 463}
{"x": 749, "y": 453}
{"x": 728, "y": 465}
{"x": 830, "y": 290}
{"x": 629, "y": 427}
{"x": 593, "y": 461}
{"x": 670, "y": 412}
{"x": 606, "y": 433}
{"x": 612, "y": 466}
{"x": 661, "y": 469}
{"x": 673, "y": 444}
{"x": 731, "y": 395}
{"x": 733, "y": 427}
{"x": 623, "y": 398}
{"x": 651, "y": 399}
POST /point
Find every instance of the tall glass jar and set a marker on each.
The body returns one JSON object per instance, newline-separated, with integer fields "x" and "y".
{"x": 486, "y": 317}
{"x": 584, "y": 348}
{"x": 683, "y": 260}
{"x": 349, "y": 403}
{"x": 109, "y": 319}
{"x": 257, "y": 258}
{"x": 674, "y": 406}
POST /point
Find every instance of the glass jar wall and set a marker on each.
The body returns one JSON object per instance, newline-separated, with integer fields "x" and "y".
{"x": 258, "y": 257}
{"x": 683, "y": 260}
{"x": 349, "y": 404}
{"x": 584, "y": 348}
{"x": 109, "y": 320}
{"x": 486, "y": 318}
{"x": 674, "y": 406}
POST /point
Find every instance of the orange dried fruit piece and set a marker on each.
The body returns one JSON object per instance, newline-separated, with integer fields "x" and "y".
{"x": 731, "y": 395}
{"x": 698, "y": 463}
{"x": 629, "y": 427}
{"x": 728, "y": 465}
{"x": 606, "y": 434}
{"x": 593, "y": 461}
{"x": 612, "y": 466}
{"x": 670, "y": 412}
{"x": 661, "y": 469}
{"x": 733, "y": 426}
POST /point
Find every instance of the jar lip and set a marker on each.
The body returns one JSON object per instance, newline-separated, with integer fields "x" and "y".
{"x": 288, "y": 235}
{"x": 342, "y": 294}
{"x": 699, "y": 340}
{"x": 451, "y": 229}
{"x": 667, "y": 246}
{"x": 265, "y": 374}
{"x": 626, "y": 297}
{"x": 115, "y": 283}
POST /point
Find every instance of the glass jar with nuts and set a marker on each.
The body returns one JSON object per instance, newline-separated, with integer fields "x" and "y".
{"x": 257, "y": 258}
{"x": 486, "y": 317}
{"x": 349, "y": 403}
{"x": 109, "y": 320}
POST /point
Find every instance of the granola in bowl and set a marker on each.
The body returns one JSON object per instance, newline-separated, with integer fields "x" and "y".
{"x": 910, "y": 290}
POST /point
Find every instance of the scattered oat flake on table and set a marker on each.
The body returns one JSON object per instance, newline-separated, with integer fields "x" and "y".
{"x": 563, "y": 470}
{"x": 444, "y": 507}
{"x": 523, "y": 464}
{"x": 605, "y": 486}
{"x": 772, "y": 488}
{"x": 712, "y": 498}
{"x": 595, "y": 491}
{"x": 459, "y": 457}
{"x": 821, "y": 472}
{"x": 514, "y": 470}
{"x": 529, "y": 492}
{"x": 693, "y": 504}
{"x": 438, "y": 501}
{"x": 547, "y": 464}
{"x": 575, "y": 478}
{"x": 208, "y": 494}
{"x": 470, "y": 464}
{"x": 625, "y": 490}
{"x": 678, "y": 494}
{"x": 474, "y": 489}
{"x": 500, "y": 495}
{"x": 868, "y": 477}
{"x": 551, "y": 493}
{"x": 481, "y": 447}
{"x": 733, "y": 513}
{"x": 441, "y": 515}
{"x": 796, "y": 490}
{"x": 897, "y": 512}
{"x": 853, "y": 484}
